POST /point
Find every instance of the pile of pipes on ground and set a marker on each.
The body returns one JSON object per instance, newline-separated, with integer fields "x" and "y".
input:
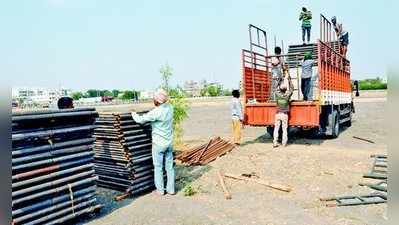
{"x": 379, "y": 171}
{"x": 206, "y": 153}
{"x": 53, "y": 176}
{"x": 123, "y": 159}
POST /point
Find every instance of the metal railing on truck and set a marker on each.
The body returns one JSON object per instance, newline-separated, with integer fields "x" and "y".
{"x": 333, "y": 67}
{"x": 256, "y": 80}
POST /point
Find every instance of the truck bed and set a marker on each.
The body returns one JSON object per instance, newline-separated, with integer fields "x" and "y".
{"x": 302, "y": 113}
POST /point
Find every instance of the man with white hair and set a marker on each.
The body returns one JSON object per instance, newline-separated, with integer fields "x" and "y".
{"x": 283, "y": 103}
{"x": 161, "y": 118}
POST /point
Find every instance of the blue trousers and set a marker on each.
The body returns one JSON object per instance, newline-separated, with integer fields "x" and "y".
{"x": 161, "y": 155}
{"x": 305, "y": 87}
{"x": 307, "y": 31}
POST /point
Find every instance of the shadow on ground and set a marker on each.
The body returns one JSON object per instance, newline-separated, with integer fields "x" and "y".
{"x": 185, "y": 175}
{"x": 295, "y": 136}
{"x": 105, "y": 197}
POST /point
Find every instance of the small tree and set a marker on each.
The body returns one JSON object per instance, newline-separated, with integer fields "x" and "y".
{"x": 214, "y": 90}
{"x": 115, "y": 93}
{"x": 92, "y": 93}
{"x": 127, "y": 95}
{"x": 77, "y": 95}
{"x": 227, "y": 92}
{"x": 166, "y": 72}
{"x": 179, "y": 102}
{"x": 107, "y": 93}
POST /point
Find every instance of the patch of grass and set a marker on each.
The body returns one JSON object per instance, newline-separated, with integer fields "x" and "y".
{"x": 189, "y": 190}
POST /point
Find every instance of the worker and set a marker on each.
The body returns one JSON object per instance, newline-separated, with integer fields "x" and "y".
{"x": 283, "y": 101}
{"x": 342, "y": 35}
{"x": 306, "y": 17}
{"x": 306, "y": 77}
{"x": 277, "y": 74}
{"x": 237, "y": 116}
{"x": 65, "y": 103}
{"x": 161, "y": 119}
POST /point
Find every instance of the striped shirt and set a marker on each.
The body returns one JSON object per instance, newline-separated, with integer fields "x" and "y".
{"x": 305, "y": 17}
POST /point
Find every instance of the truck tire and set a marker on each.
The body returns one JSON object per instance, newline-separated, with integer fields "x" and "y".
{"x": 311, "y": 133}
{"x": 335, "y": 129}
{"x": 348, "y": 123}
{"x": 270, "y": 130}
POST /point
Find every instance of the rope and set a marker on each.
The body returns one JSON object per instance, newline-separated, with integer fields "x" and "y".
{"x": 50, "y": 141}
{"x": 72, "y": 200}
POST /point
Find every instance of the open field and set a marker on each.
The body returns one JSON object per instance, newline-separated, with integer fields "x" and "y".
{"x": 314, "y": 168}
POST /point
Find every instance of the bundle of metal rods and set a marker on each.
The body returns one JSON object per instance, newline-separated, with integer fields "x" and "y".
{"x": 53, "y": 176}
{"x": 123, "y": 159}
{"x": 206, "y": 153}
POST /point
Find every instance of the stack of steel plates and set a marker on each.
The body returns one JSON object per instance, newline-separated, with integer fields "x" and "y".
{"x": 123, "y": 159}
{"x": 53, "y": 177}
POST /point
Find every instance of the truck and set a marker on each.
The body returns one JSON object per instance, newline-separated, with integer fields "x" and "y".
{"x": 331, "y": 104}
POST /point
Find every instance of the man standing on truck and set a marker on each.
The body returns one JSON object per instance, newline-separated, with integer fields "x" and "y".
{"x": 283, "y": 103}
{"x": 306, "y": 77}
{"x": 342, "y": 36}
{"x": 236, "y": 115}
{"x": 306, "y": 17}
{"x": 277, "y": 74}
{"x": 161, "y": 118}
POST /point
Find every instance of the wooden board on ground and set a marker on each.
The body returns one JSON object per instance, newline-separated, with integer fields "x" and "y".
{"x": 261, "y": 182}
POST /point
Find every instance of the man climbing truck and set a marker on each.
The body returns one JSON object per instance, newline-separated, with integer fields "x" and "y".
{"x": 330, "y": 102}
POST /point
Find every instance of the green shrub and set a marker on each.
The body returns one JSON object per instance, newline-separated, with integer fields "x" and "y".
{"x": 189, "y": 190}
{"x": 372, "y": 84}
{"x": 179, "y": 102}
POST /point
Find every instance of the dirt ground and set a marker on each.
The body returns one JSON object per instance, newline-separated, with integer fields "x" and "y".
{"x": 314, "y": 168}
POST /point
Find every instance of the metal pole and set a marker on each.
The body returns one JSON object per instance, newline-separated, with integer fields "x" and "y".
{"x": 252, "y": 64}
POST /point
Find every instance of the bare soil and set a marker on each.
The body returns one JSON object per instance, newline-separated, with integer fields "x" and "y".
{"x": 313, "y": 167}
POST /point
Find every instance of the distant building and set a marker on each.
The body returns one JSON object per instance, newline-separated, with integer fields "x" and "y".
{"x": 146, "y": 94}
{"x": 193, "y": 88}
{"x": 40, "y": 96}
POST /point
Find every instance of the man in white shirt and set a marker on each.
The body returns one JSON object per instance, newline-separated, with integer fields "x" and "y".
{"x": 237, "y": 116}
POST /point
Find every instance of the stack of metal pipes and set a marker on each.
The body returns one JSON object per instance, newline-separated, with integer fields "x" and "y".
{"x": 296, "y": 53}
{"x": 123, "y": 159}
{"x": 53, "y": 177}
{"x": 206, "y": 153}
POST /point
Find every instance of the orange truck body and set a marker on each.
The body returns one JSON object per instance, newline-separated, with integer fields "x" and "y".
{"x": 334, "y": 88}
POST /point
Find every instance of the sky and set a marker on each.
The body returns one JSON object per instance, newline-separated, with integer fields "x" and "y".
{"x": 121, "y": 44}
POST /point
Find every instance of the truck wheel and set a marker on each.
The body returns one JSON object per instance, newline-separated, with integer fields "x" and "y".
{"x": 270, "y": 131}
{"x": 311, "y": 133}
{"x": 348, "y": 123}
{"x": 335, "y": 131}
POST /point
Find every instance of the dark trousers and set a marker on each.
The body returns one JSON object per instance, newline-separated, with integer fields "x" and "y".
{"x": 305, "y": 87}
{"x": 307, "y": 31}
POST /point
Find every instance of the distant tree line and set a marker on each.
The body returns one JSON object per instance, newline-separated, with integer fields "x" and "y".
{"x": 120, "y": 94}
{"x": 214, "y": 90}
{"x": 372, "y": 84}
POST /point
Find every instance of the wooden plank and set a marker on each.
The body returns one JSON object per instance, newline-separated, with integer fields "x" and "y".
{"x": 226, "y": 192}
{"x": 261, "y": 182}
